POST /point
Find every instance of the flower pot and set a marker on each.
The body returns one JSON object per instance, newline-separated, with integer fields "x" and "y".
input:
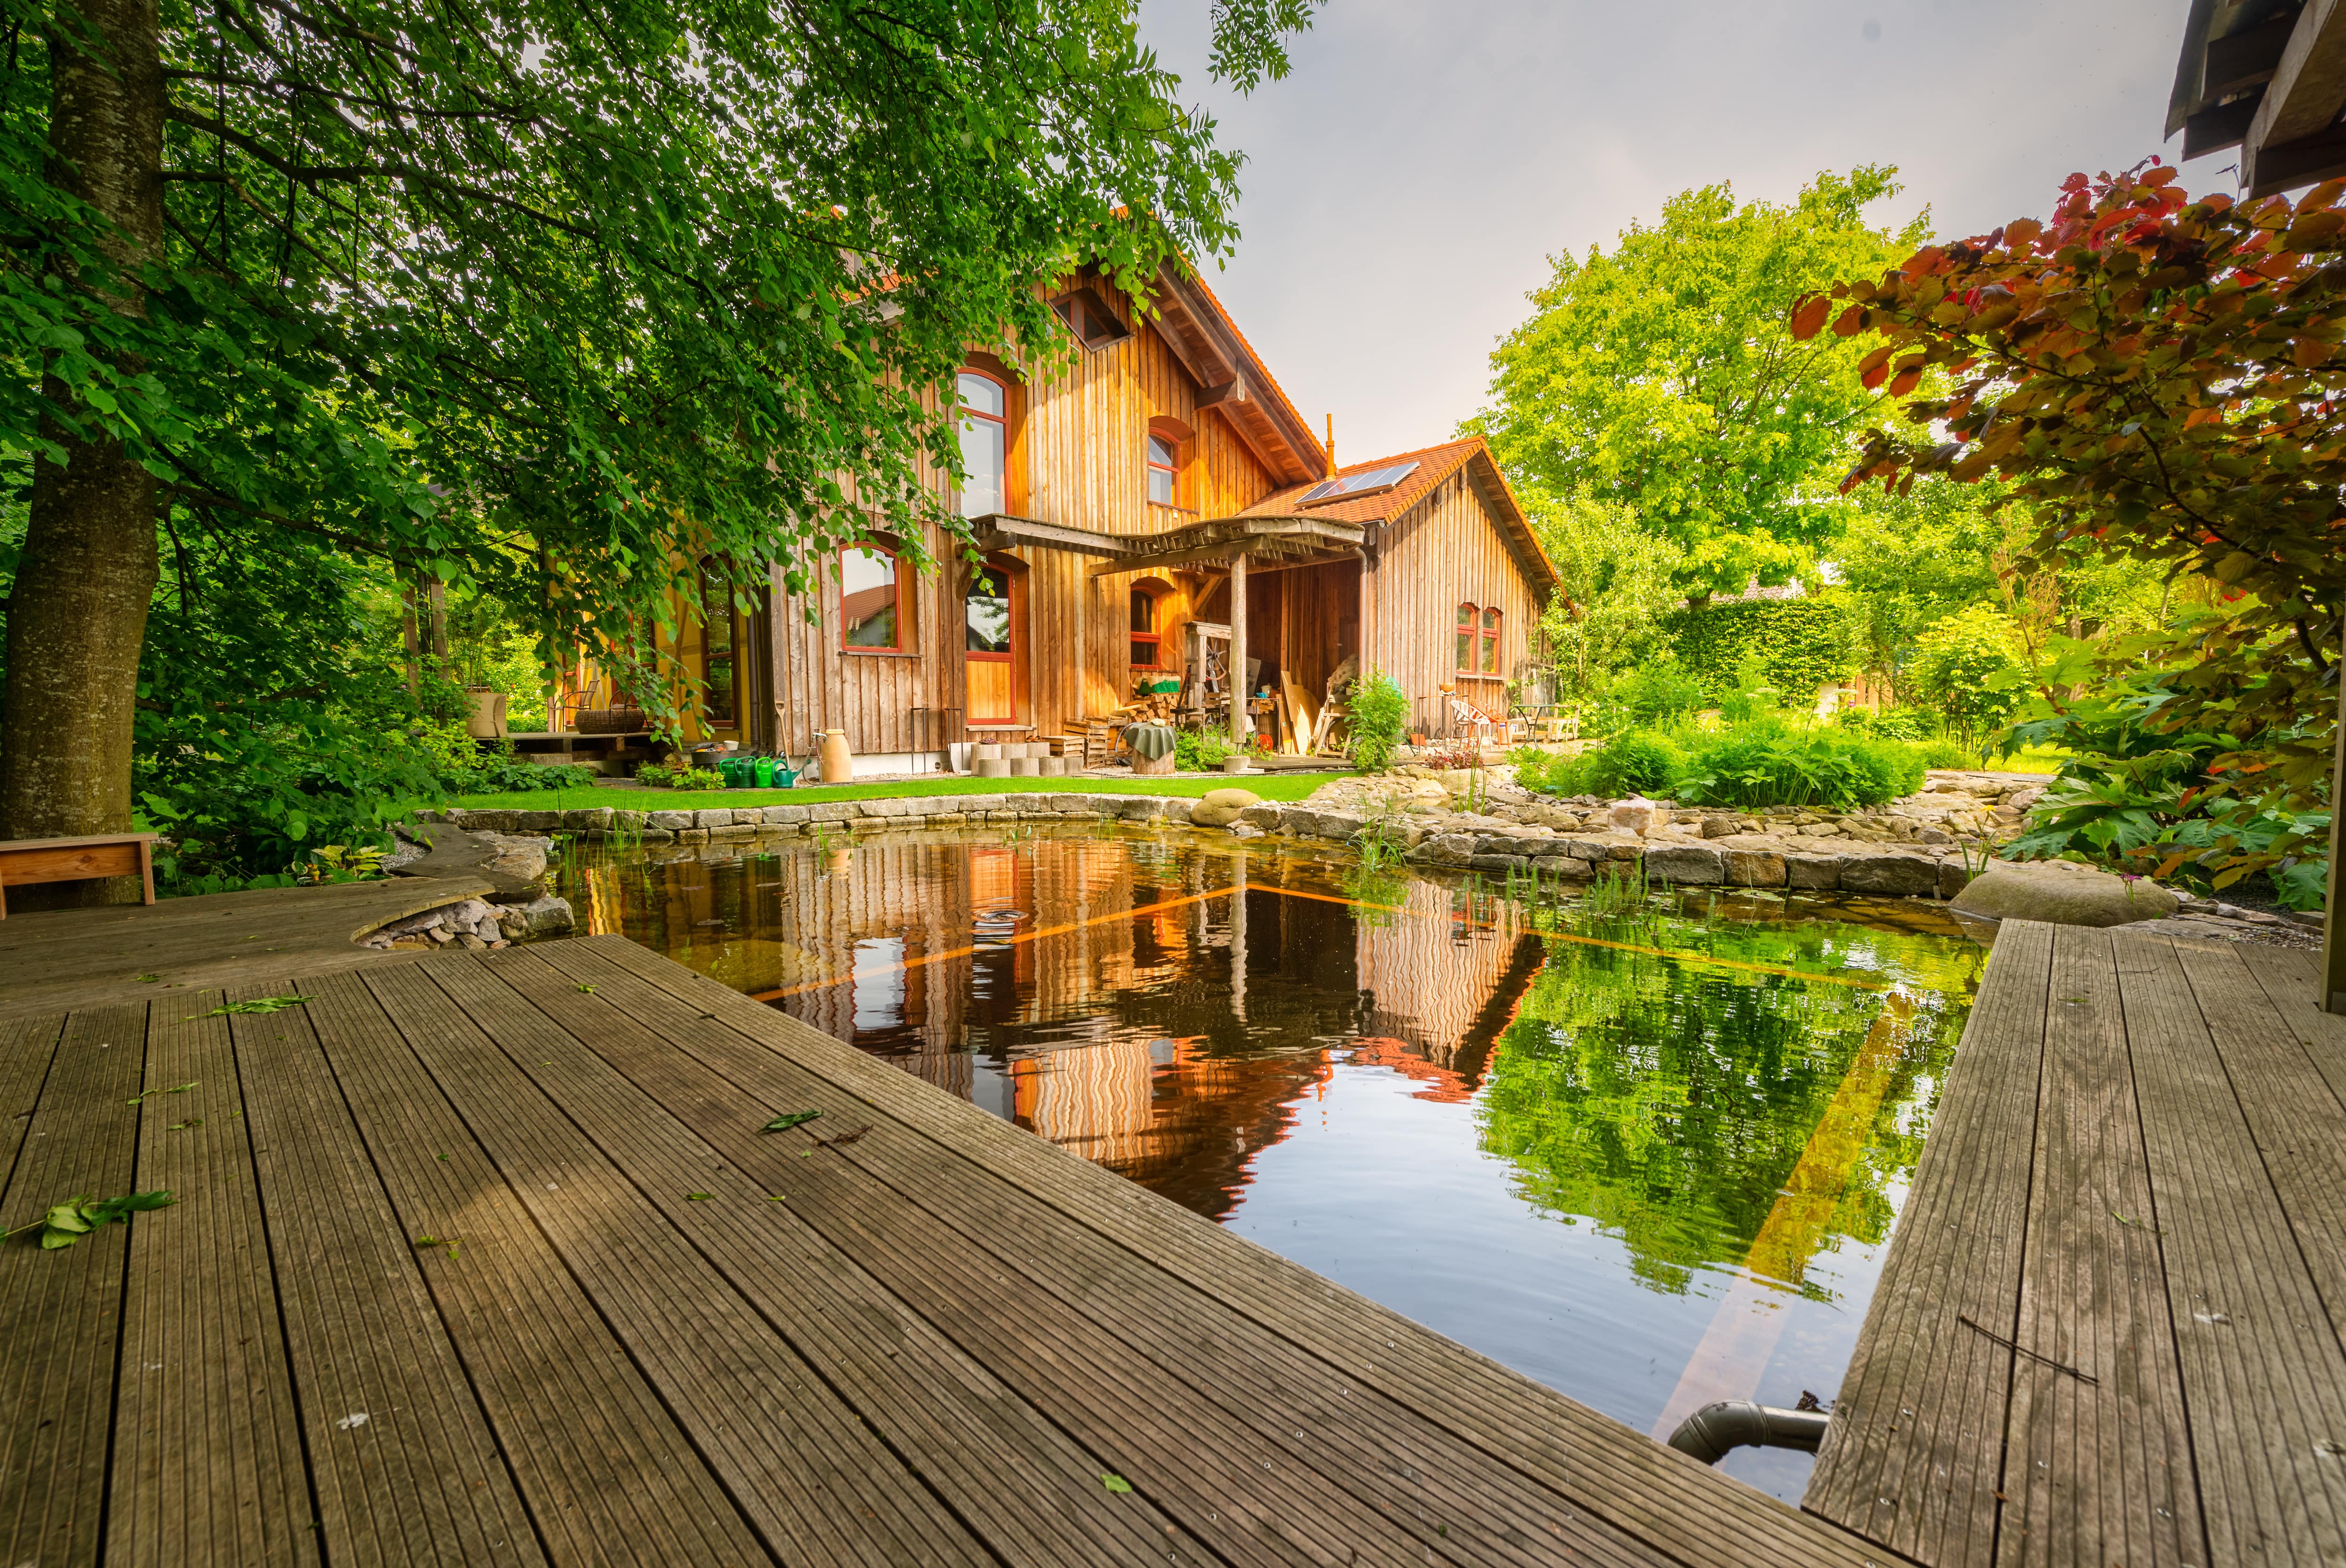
{"x": 486, "y": 719}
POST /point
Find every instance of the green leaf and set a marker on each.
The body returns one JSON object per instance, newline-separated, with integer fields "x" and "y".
{"x": 1116, "y": 1483}
{"x": 69, "y": 1222}
{"x": 790, "y": 1119}
{"x": 258, "y": 1004}
{"x": 700, "y": 1197}
{"x": 175, "y": 1089}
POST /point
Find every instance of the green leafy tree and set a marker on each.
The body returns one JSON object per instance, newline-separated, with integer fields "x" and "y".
{"x": 1618, "y": 582}
{"x": 545, "y": 300}
{"x": 1959, "y": 663}
{"x": 1661, "y": 376}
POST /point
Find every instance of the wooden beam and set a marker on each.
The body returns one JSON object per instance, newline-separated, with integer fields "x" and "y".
{"x": 2307, "y": 90}
{"x": 1240, "y": 690}
{"x": 2286, "y": 165}
{"x": 2242, "y": 59}
{"x": 1231, "y": 391}
{"x": 2214, "y": 129}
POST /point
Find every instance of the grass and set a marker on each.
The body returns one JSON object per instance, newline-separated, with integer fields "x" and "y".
{"x": 1268, "y": 785}
{"x": 2034, "y": 759}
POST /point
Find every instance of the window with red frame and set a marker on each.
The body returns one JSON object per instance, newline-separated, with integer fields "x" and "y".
{"x": 1470, "y": 631}
{"x": 1163, "y": 468}
{"x": 1145, "y": 639}
{"x": 870, "y": 617}
{"x": 1490, "y": 641}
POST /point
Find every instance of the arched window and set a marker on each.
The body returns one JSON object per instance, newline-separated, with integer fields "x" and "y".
{"x": 1490, "y": 641}
{"x": 1147, "y": 633}
{"x": 984, "y": 437}
{"x": 1163, "y": 467}
{"x": 870, "y": 614}
{"x": 1470, "y": 622}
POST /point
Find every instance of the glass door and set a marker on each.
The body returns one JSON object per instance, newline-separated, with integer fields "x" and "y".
{"x": 990, "y": 643}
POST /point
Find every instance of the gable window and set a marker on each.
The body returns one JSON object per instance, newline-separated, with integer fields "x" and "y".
{"x": 1470, "y": 626}
{"x": 1163, "y": 465}
{"x": 870, "y": 618}
{"x": 1145, "y": 639}
{"x": 985, "y": 433}
{"x": 1490, "y": 641}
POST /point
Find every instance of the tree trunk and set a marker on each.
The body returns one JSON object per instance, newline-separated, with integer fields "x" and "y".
{"x": 77, "y": 611}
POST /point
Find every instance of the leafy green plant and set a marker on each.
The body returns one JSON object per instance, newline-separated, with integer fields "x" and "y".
{"x": 340, "y": 863}
{"x": 1635, "y": 762}
{"x": 1956, "y": 664}
{"x": 1379, "y": 712}
{"x": 1201, "y": 751}
{"x": 1761, "y": 765}
{"x": 69, "y": 1222}
{"x": 655, "y": 775}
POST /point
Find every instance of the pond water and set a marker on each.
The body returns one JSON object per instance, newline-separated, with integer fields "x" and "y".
{"x": 1647, "y": 1150}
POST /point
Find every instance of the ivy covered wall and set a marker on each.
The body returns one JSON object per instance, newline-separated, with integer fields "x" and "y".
{"x": 1803, "y": 644}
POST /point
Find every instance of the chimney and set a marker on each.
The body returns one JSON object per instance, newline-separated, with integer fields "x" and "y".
{"x": 1331, "y": 444}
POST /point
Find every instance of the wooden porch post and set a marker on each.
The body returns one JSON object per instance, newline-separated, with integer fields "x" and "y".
{"x": 1240, "y": 690}
{"x": 2333, "y": 920}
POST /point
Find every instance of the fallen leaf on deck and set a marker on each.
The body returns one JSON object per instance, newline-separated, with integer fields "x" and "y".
{"x": 258, "y": 1004}
{"x": 150, "y": 1093}
{"x": 788, "y": 1119}
{"x": 69, "y": 1222}
{"x": 1116, "y": 1483}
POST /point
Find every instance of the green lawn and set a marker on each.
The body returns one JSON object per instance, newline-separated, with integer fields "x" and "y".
{"x": 1268, "y": 785}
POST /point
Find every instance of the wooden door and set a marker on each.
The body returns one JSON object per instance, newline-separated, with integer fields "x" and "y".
{"x": 991, "y": 611}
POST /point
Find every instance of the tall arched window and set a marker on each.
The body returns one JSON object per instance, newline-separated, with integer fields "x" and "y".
{"x": 871, "y": 615}
{"x": 1490, "y": 640}
{"x": 1164, "y": 466}
{"x": 984, "y": 442}
{"x": 1470, "y": 627}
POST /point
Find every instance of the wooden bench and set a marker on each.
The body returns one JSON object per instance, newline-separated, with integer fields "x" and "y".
{"x": 27, "y": 861}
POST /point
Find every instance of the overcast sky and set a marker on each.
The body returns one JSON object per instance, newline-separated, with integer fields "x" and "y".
{"x": 1407, "y": 183}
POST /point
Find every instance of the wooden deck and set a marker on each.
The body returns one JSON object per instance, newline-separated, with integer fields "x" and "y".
{"x": 646, "y": 1332}
{"x": 52, "y": 961}
{"x": 2109, "y": 1331}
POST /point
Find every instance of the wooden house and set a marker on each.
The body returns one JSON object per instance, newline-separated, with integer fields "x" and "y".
{"x": 1160, "y": 480}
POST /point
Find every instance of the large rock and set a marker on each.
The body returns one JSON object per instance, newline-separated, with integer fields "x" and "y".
{"x": 1888, "y": 874}
{"x": 2062, "y": 892}
{"x": 1686, "y": 864}
{"x": 1221, "y": 808}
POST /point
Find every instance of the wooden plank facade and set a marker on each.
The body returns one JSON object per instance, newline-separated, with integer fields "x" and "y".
{"x": 1376, "y": 577}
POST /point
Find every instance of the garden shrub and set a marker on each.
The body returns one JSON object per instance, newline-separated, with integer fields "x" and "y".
{"x": 1201, "y": 751}
{"x": 1762, "y": 765}
{"x": 1658, "y": 694}
{"x": 1379, "y": 712}
{"x": 1634, "y": 762}
{"x": 1956, "y": 661}
{"x": 1802, "y": 644}
{"x": 1885, "y": 723}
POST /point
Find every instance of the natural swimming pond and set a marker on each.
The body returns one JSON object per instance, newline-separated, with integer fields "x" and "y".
{"x": 1645, "y": 1149}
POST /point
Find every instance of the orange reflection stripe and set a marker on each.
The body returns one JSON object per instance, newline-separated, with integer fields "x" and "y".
{"x": 1622, "y": 946}
{"x": 1007, "y": 942}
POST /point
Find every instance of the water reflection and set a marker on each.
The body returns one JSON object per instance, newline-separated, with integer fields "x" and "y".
{"x": 1650, "y": 1159}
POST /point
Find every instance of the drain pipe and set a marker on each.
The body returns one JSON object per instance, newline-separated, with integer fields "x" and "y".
{"x": 1713, "y": 1430}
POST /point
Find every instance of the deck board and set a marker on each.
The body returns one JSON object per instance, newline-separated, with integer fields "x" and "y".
{"x": 1914, "y": 1457}
{"x": 2185, "y": 1249}
{"x": 2098, "y": 1472}
{"x": 195, "y": 1381}
{"x": 935, "y": 1350}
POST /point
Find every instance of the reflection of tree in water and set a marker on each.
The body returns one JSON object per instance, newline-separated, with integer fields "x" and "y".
{"x": 1670, "y": 1103}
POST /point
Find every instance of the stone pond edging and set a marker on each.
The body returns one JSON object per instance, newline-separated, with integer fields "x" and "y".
{"x": 1462, "y": 842}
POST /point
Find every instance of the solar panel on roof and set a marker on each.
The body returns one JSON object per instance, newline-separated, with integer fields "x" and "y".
{"x": 1356, "y": 483}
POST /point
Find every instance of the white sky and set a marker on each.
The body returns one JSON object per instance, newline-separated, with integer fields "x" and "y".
{"x": 1407, "y": 183}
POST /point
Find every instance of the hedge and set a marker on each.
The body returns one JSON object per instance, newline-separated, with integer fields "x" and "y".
{"x": 1803, "y": 644}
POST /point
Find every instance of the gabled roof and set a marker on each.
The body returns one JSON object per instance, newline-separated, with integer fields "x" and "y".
{"x": 1232, "y": 378}
{"x": 1434, "y": 464}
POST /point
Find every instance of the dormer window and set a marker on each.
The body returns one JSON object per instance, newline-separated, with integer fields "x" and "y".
{"x": 1164, "y": 465}
{"x": 985, "y": 432}
{"x": 1088, "y": 318}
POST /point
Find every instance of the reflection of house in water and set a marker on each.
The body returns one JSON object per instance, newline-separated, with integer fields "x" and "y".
{"x": 1160, "y": 1012}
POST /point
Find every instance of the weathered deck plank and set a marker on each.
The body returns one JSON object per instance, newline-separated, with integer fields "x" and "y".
{"x": 2263, "y": 1373}
{"x": 1649, "y": 1494}
{"x": 208, "y": 1441}
{"x": 402, "y": 1461}
{"x": 63, "y": 1309}
{"x": 1914, "y": 1455}
{"x": 2100, "y": 1471}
